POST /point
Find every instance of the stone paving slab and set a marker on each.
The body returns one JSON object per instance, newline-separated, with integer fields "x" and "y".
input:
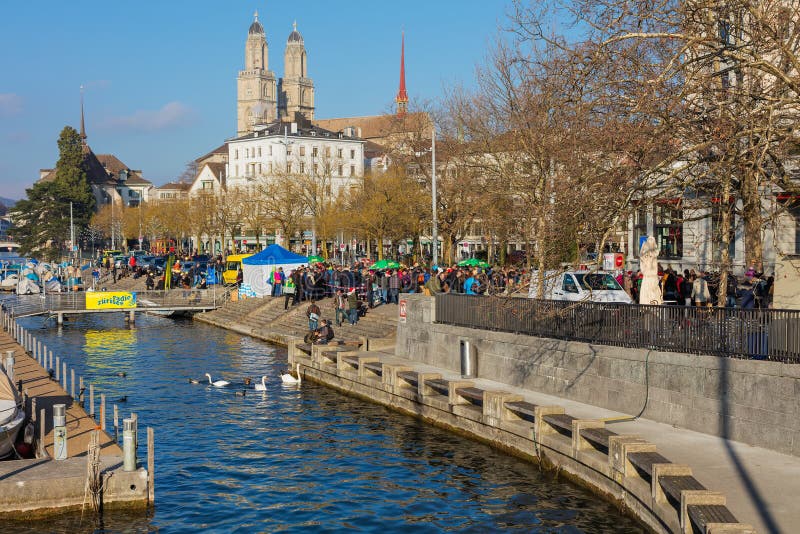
{"x": 48, "y": 393}
{"x": 761, "y": 485}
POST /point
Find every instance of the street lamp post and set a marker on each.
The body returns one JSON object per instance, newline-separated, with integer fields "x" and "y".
{"x": 435, "y": 232}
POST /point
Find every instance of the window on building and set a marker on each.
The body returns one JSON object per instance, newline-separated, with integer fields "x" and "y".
{"x": 236, "y": 154}
{"x": 270, "y": 150}
{"x": 207, "y": 184}
{"x": 341, "y": 170}
{"x": 302, "y": 151}
{"x": 639, "y": 228}
{"x": 314, "y": 152}
{"x": 327, "y": 151}
{"x": 270, "y": 167}
{"x": 259, "y": 168}
{"x": 236, "y": 170}
{"x": 316, "y": 169}
{"x": 668, "y": 228}
{"x": 302, "y": 167}
{"x": 289, "y": 167}
{"x": 288, "y": 150}
{"x": 352, "y": 170}
{"x": 246, "y": 153}
{"x": 338, "y": 152}
{"x": 259, "y": 152}
{"x": 795, "y": 213}
{"x": 352, "y": 154}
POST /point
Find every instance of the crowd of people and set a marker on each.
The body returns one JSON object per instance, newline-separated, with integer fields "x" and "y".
{"x": 698, "y": 288}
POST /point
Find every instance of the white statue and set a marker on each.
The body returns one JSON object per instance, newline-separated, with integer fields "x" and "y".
{"x": 650, "y": 292}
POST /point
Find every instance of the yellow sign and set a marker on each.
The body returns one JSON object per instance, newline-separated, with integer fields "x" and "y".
{"x": 110, "y": 300}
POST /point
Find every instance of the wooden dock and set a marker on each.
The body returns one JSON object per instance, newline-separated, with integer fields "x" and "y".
{"x": 42, "y": 485}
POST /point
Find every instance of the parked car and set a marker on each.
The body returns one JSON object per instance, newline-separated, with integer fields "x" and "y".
{"x": 574, "y": 286}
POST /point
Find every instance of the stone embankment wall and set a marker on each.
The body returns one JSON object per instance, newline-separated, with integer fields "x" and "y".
{"x": 755, "y": 402}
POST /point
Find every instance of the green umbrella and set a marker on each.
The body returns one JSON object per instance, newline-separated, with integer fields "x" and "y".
{"x": 473, "y": 262}
{"x": 384, "y": 264}
{"x": 315, "y": 259}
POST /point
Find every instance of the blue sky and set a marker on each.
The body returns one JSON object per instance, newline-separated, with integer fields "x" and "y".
{"x": 160, "y": 76}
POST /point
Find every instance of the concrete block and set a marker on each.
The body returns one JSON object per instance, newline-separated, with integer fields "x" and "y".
{"x": 381, "y": 343}
{"x": 665, "y": 470}
{"x": 362, "y": 370}
{"x": 697, "y": 497}
{"x": 291, "y": 349}
{"x": 341, "y": 364}
{"x": 618, "y": 449}
{"x": 452, "y": 386}
{"x": 424, "y": 390}
{"x": 389, "y": 378}
{"x": 494, "y": 405}
{"x": 729, "y": 528}
{"x": 578, "y": 442}
{"x": 540, "y": 427}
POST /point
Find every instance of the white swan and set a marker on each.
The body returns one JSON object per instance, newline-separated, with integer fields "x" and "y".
{"x": 262, "y": 386}
{"x": 287, "y": 377}
{"x": 218, "y": 383}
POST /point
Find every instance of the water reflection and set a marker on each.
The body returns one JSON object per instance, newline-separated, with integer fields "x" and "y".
{"x": 298, "y": 459}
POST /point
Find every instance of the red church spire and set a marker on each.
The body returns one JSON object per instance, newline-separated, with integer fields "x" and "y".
{"x": 402, "y": 96}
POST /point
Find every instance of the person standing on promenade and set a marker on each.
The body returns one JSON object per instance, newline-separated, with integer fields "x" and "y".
{"x": 277, "y": 282}
{"x": 313, "y": 312}
{"x": 288, "y": 291}
{"x": 700, "y": 293}
{"x": 352, "y": 307}
{"x": 394, "y": 287}
{"x": 340, "y": 306}
{"x": 297, "y": 280}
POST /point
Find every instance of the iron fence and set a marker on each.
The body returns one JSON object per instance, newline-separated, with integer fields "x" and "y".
{"x": 753, "y": 334}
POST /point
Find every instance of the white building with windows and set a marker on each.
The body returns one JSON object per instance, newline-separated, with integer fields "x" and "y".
{"x": 283, "y": 150}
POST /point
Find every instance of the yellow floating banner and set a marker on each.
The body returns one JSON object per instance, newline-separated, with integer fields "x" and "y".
{"x": 110, "y": 300}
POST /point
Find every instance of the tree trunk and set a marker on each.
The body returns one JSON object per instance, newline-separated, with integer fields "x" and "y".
{"x": 751, "y": 214}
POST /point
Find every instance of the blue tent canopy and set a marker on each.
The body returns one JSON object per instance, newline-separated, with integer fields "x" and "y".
{"x": 274, "y": 255}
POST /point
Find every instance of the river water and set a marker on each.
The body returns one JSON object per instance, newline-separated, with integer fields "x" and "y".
{"x": 292, "y": 459}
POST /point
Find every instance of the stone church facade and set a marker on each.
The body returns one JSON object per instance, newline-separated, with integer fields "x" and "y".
{"x": 263, "y": 98}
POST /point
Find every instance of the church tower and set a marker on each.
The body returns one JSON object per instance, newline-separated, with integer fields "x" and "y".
{"x": 296, "y": 88}
{"x": 402, "y": 96}
{"x": 256, "y": 101}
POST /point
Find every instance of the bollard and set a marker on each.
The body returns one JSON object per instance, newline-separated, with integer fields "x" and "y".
{"x": 151, "y": 465}
{"x": 91, "y": 400}
{"x": 60, "y": 431}
{"x": 469, "y": 359}
{"x": 128, "y": 451}
{"x": 135, "y": 431}
{"x": 103, "y": 412}
{"x": 10, "y": 365}
{"x": 72, "y": 383}
{"x": 116, "y": 424}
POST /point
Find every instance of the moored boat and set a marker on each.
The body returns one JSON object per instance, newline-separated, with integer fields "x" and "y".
{"x": 11, "y": 416}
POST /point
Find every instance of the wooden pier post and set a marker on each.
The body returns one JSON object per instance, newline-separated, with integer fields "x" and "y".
{"x": 151, "y": 465}
{"x": 81, "y": 393}
{"x": 91, "y": 400}
{"x": 42, "y": 451}
{"x": 72, "y": 383}
{"x": 64, "y": 376}
{"x": 50, "y": 361}
{"x": 58, "y": 368}
{"x": 103, "y": 412}
{"x": 116, "y": 424}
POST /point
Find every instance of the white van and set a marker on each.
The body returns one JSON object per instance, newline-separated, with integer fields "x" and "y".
{"x": 591, "y": 286}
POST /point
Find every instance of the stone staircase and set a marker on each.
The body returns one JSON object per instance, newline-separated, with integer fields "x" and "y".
{"x": 265, "y": 318}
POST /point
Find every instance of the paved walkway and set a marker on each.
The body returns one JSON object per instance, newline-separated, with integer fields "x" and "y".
{"x": 761, "y": 486}
{"x": 48, "y": 392}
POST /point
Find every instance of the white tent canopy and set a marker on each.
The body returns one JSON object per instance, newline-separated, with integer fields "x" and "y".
{"x": 257, "y": 269}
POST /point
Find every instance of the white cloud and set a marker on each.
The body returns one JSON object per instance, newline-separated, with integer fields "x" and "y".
{"x": 171, "y": 115}
{"x": 10, "y": 104}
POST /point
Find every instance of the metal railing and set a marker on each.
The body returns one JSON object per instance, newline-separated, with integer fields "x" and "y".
{"x": 754, "y": 334}
{"x": 177, "y": 299}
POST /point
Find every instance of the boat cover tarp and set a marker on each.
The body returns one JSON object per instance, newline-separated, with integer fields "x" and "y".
{"x": 7, "y": 390}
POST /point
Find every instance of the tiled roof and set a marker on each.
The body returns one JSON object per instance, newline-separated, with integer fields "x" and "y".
{"x": 222, "y": 149}
{"x": 305, "y": 129}
{"x": 376, "y": 126}
{"x": 180, "y": 186}
{"x": 102, "y": 169}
